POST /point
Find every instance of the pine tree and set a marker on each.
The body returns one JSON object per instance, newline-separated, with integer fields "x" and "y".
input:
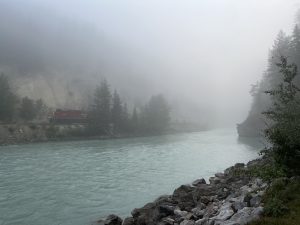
{"x": 125, "y": 123}
{"x": 116, "y": 112}
{"x": 99, "y": 117}
{"x": 254, "y": 123}
{"x": 7, "y": 100}
{"x": 134, "y": 121}
{"x": 284, "y": 114}
{"x": 27, "y": 110}
{"x": 295, "y": 49}
{"x": 156, "y": 115}
{"x": 41, "y": 109}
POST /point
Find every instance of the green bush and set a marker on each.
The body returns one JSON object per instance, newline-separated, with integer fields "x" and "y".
{"x": 284, "y": 116}
{"x": 275, "y": 207}
{"x": 267, "y": 172}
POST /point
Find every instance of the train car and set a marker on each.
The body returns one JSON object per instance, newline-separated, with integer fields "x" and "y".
{"x": 68, "y": 117}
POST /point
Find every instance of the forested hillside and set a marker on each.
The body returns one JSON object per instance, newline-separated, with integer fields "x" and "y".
{"x": 284, "y": 45}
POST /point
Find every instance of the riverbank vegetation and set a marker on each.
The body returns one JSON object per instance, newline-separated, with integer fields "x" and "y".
{"x": 282, "y": 199}
{"x": 287, "y": 46}
{"x": 107, "y": 115}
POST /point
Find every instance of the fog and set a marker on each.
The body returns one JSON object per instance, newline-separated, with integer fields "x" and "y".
{"x": 203, "y": 55}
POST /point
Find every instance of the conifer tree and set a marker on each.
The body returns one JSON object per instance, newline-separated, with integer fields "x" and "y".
{"x": 134, "y": 121}
{"x": 7, "y": 99}
{"x": 27, "y": 109}
{"x": 157, "y": 115}
{"x": 116, "y": 112}
{"x": 99, "y": 117}
{"x": 284, "y": 131}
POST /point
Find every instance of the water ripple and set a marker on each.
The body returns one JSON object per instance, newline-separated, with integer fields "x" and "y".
{"x": 79, "y": 182}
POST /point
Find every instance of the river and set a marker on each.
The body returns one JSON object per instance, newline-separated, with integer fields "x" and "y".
{"x": 79, "y": 182}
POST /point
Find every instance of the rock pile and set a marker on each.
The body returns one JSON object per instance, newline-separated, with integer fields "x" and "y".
{"x": 230, "y": 198}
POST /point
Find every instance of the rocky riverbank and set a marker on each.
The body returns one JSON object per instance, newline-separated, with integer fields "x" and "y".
{"x": 230, "y": 198}
{"x": 29, "y": 133}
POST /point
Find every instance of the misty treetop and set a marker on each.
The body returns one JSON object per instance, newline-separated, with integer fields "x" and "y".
{"x": 8, "y": 99}
{"x": 15, "y": 108}
{"x": 108, "y": 114}
{"x": 287, "y": 46}
{"x": 283, "y": 130}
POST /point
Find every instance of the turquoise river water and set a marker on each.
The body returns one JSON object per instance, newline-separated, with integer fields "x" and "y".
{"x": 79, "y": 182}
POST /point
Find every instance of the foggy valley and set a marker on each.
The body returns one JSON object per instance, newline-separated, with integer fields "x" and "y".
{"x": 106, "y": 105}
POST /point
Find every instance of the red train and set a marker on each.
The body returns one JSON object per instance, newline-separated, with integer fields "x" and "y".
{"x": 68, "y": 116}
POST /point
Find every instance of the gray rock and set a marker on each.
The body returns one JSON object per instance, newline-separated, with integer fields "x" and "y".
{"x": 166, "y": 209}
{"x": 128, "y": 221}
{"x": 180, "y": 213}
{"x": 113, "y": 220}
{"x": 205, "y": 199}
{"x": 199, "y": 181}
{"x": 225, "y": 212}
{"x": 187, "y": 222}
{"x": 214, "y": 180}
{"x": 198, "y": 212}
{"x": 255, "y": 201}
{"x": 201, "y": 205}
{"x": 211, "y": 210}
{"x": 226, "y": 223}
{"x": 189, "y": 216}
{"x": 246, "y": 198}
{"x": 259, "y": 182}
{"x": 219, "y": 175}
{"x": 257, "y": 212}
{"x": 168, "y": 220}
{"x": 239, "y": 205}
{"x": 202, "y": 221}
{"x": 246, "y": 189}
{"x": 246, "y": 215}
{"x": 239, "y": 165}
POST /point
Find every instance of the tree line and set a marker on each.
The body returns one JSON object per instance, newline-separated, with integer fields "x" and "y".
{"x": 108, "y": 114}
{"x": 276, "y": 104}
{"x": 287, "y": 46}
{"x": 15, "y": 108}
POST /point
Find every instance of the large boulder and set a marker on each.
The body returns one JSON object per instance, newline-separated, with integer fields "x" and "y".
{"x": 225, "y": 212}
{"x": 246, "y": 215}
{"x": 184, "y": 197}
{"x": 199, "y": 182}
{"x": 128, "y": 221}
{"x": 188, "y": 222}
{"x": 113, "y": 220}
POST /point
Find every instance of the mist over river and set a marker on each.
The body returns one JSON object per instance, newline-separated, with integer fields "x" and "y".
{"x": 77, "y": 183}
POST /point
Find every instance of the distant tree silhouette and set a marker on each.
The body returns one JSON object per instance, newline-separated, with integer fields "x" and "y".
{"x": 100, "y": 114}
{"x": 116, "y": 113}
{"x": 7, "y": 99}
{"x": 156, "y": 115}
{"x": 27, "y": 109}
